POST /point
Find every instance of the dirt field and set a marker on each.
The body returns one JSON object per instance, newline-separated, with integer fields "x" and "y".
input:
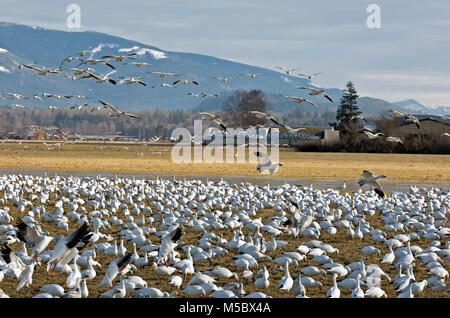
{"x": 130, "y": 158}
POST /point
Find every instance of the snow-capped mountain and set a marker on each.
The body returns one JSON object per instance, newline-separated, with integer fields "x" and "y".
{"x": 45, "y": 48}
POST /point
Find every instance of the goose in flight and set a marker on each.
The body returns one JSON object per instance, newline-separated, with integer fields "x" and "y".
{"x": 209, "y": 95}
{"x": 79, "y": 72}
{"x": 79, "y": 107}
{"x": 184, "y": 82}
{"x": 17, "y": 96}
{"x": 120, "y": 58}
{"x": 288, "y": 72}
{"x": 211, "y": 117}
{"x": 261, "y": 115}
{"x": 139, "y": 64}
{"x": 314, "y": 92}
{"x": 359, "y": 117}
{"x": 19, "y": 66}
{"x": 31, "y": 236}
{"x": 195, "y": 94}
{"x": 163, "y": 85}
{"x": 67, "y": 247}
{"x": 101, "y": 79}
{"x": 68, "y": 60}
{"x": 162, "y": 74}
{"x": 412, "y": 119}
{"x": 370, "y": 134}
{"x": 169, "y": 242}
{"x": 84, "y": 52}
{"x": 299, "y": 100}
{"x": 115, "y": 112}
{"x": 309, "y": 76}
{"x": 446, "y": 134}
{"x": 252, "y": 75}
{"x": 223, "y": 79}
{"x": 397, "y": 114}
{"x": 131, "y": 80}
{"x": 95, "y": 62}
{"x": 369, "y": 179}
{"x": 266, "y": 163}
{"x": 407, "y": 118}
{"x": 445, "y": 117}
{"x": 394, "y": 139}
{"x": 40, "y": 71}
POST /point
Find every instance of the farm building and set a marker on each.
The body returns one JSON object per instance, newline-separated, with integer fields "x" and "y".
{"x": 324, "y": 134}
{"x": 429, "y": 125}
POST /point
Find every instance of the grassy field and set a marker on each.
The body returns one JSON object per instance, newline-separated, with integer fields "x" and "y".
{"x": 349, "y": 251}
{"x": 123, "y": 159}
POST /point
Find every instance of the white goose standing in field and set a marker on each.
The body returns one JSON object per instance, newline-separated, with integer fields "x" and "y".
{"x": 334, "y": 291}
{"x": 73, "y": 276}
{"x": 263, "y": 282}
{"x": 357, "y": 292}
{"x": 286, "y": 282}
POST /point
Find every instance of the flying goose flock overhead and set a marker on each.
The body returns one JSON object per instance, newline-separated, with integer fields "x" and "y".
{"x": 119, "y": 237}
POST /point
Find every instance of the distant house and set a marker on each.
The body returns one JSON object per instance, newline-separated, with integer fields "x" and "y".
{"x": 429, "y": 125}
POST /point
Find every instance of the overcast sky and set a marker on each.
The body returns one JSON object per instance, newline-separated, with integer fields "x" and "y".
{"x": 408, "y": 57}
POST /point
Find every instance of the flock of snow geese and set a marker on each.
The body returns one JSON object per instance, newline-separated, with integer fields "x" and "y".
{"x": 77, "y": 73}
{"x": 116, "y": 237}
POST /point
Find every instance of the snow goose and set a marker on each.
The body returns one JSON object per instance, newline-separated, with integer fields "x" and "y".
{"x": 312, "y": 270}
{"x": 357, "y": 292}
{"x": 69, "y": 246}
{"x": 89, "y": 273}
{"x": 73, "y": 276}
{"x": 175, "y": 281}
{"x": 194, "y": 291}
{"x": 389, "y": 257}
{"x": 266, "y": 163}
{"x": 287, "y": 71}
{"x": 221, "y": 272}
{"x": 26, "y": 277}
{"x": 370, "y": 134}
{"x": 286, "y": 282}
{"x": 115, "y": 112}
{"x": 217, "y": 120}
{"x": 32, "y": 237}
{"x": 314, "y": 92}
{"x": 222, "y": 293}
{"x": 369, "y": 179}
{"x": 334, "y": 291}
{"x": 339, "y": 270}
{"x": 169, "y": 242}
{"x": 185, "y": 82}
{"x": 117, "y": 266}
{"x": 53, "y": 289}
{"x": 375, "y": 292}
{"x": 263, "y": 282}
{"x": 300, "y": 100}
{"x": 121, "y": 251}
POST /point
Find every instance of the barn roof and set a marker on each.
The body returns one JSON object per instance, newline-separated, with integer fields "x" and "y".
{"x": 436, "y": 118}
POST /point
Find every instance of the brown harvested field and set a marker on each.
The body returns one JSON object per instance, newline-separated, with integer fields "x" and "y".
{"x": 349, "y": 251}
{"x": 121, "y": 158}
{"x": 114, "y": 158}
